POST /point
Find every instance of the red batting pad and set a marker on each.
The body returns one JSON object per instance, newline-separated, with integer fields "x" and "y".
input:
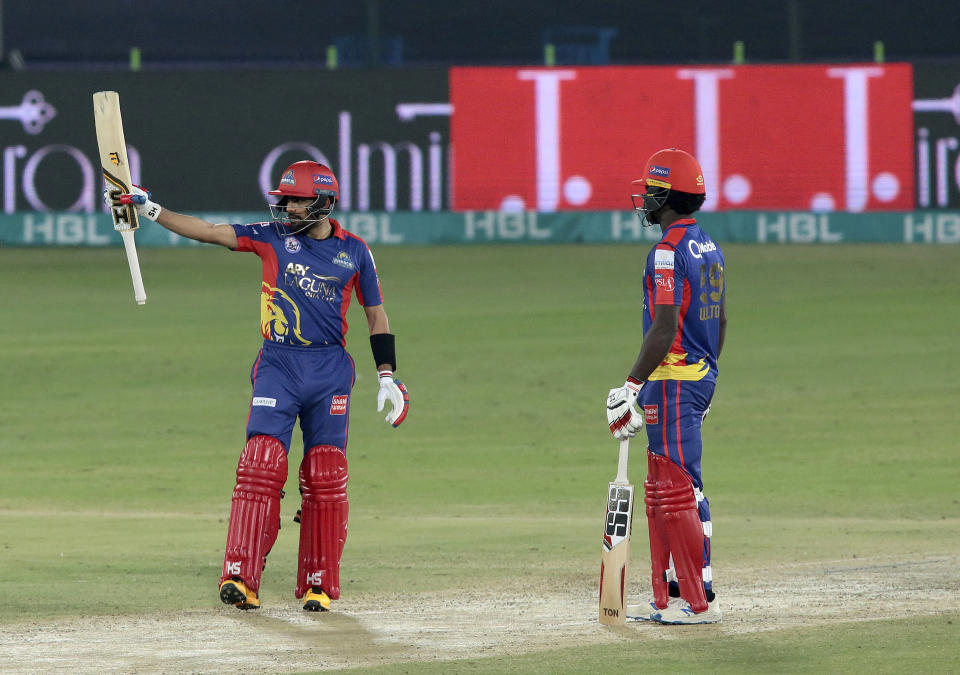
{"x": 323, "y": 521}
{"x": 657, "y": 527}
{"x": 672, "y": 498}
{"x": 255, "y": 513}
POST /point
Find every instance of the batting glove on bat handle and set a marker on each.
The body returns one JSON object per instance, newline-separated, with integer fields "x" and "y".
{"x": 623, "y": 416}
{"x": 393, "y": 390}
{"x": 138, "y": 198}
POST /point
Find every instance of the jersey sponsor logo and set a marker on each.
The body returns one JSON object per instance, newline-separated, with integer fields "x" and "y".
{"x": 664, "y": 281}
{"x": 315, "y": 578}
{"x": 291, "y": 244}
{"x": 233, "y": 567}
{"x": 338, "y": 406}
{"x": 319, "y": 178}
{"x": 663, "y": 171}
{"x": 265, "y": 401}
{"x": 698, "y": 248}
{"x": 651, "y": 414}
{"x": 343, "y": 259}
{"x": 288, "y": 179}
{"x": 313, "y": 285}
{"x": 663, "y": 259}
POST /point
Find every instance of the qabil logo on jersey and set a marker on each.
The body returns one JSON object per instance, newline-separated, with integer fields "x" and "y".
{"x": 343, "y": 259}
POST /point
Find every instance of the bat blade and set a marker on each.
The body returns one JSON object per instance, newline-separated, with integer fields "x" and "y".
{"x": 615, "y": 554}
{"x": 116, "y": 175}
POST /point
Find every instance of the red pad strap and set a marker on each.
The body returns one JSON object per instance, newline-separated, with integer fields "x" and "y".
{"x": 323, "y": 521}
{"x": 255, "y": 512}
{"x": 670, "y": 494}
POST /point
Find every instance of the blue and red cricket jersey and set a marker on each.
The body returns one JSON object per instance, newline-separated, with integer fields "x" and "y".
{"x": 307, "y": 283}
{"x": 303, "y": 370}
{"x": 686, "y": 268}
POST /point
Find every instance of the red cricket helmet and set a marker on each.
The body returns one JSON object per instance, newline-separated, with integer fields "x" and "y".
{"x": 666, "y": 170}
{"x": 305, "y": 179}
{"x": 673, "y": 169}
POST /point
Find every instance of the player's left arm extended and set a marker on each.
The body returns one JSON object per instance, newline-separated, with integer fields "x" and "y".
{"x": 657, "y": 341}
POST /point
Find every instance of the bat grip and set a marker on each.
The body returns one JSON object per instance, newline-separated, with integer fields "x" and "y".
{"x": 622, "y": 463}
{"x": 139, "y": 294}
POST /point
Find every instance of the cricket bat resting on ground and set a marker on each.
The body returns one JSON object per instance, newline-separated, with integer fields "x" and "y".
{"x": 616, "y": 545}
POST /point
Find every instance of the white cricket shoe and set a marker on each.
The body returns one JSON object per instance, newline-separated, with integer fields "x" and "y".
{"x": 682, "y": 614}
{"x": 649, "y": 611}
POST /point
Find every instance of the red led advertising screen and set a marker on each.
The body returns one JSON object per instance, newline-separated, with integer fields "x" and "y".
{"x": 798, "y": 137}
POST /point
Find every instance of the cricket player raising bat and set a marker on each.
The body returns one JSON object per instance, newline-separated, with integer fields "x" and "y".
{"x": 311, "y": 267}
{"x": 671, "y": 384}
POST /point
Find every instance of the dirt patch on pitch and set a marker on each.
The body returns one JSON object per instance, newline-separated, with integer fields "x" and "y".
{"x": 367, "y": 631}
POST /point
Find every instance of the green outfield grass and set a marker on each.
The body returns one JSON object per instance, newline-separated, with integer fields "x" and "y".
{"x": 832, "y": 435}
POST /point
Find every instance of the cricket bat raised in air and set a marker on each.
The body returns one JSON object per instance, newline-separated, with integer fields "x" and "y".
{"x": 616, "y": 545}
{"x": 116, "y": 176}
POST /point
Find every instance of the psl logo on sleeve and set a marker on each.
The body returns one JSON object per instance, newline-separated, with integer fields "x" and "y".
{"x": 664, "y": 281}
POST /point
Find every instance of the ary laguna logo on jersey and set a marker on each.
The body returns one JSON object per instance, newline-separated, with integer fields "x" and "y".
{"x": 317, "y": 286}
{"x": 343, "y": 259}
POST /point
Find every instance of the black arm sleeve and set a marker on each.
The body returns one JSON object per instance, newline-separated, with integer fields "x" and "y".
{"x": 384, "y": 350}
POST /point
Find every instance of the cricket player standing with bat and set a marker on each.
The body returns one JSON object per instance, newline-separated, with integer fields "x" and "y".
{"x": 671, "y": 385}
{"x": 311, "y": 267}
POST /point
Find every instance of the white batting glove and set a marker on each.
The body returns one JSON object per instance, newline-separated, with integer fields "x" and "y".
{"x": 393, "y": 390}
{"x": 623, "y": 415}
{"x": 138, "y": 197}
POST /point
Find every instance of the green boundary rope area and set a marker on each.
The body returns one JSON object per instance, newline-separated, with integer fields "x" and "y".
{"x": 485, "y": 227}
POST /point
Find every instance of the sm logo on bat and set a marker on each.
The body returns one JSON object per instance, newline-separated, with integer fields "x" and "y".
{"x": 115, "y": 158}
